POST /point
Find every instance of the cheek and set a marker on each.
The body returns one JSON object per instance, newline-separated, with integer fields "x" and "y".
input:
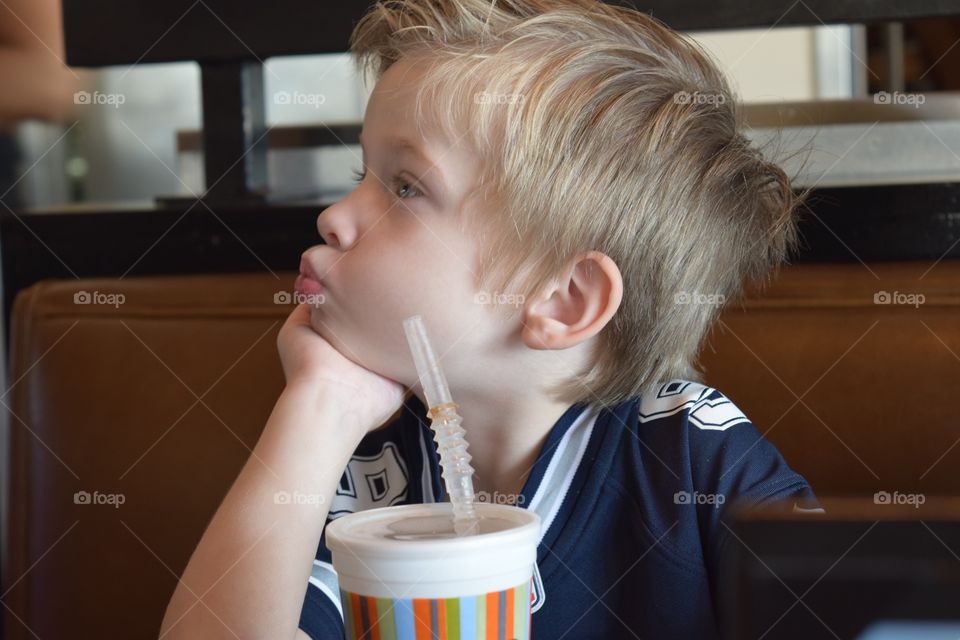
{"x": 382, "y": 278}
{"x": 412, "y": 269}
{"x": 379, "y": 286}
{"x": 390, "y": 277}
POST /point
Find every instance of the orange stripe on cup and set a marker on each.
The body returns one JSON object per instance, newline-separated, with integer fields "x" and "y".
{"x": 421, "y": 616}
{"x": 442, "y": 620}
{"x": 493, "y": 613}
{"x": 374, "y": 633}
{"x": 357, "y": 619}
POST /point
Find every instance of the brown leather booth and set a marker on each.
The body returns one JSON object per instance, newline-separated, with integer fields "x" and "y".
{"x": 160, "y": 400}
{"x": 131, "y": 417}
{"x": 852, "y": 372}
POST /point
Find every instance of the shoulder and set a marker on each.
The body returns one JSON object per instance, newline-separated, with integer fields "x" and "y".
{"x": 688, "y": 422}
{"x": 686, "y": 455}
{"x": 712, "y": 441}
{"x": 696, "y": 404}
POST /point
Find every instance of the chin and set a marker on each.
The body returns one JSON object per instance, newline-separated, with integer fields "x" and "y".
{"x": 317, "y": 323}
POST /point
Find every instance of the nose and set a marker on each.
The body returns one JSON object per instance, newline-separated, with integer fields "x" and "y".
{"x": 336, "y": 227}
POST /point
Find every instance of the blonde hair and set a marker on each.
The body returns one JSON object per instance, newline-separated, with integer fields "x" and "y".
{"x": 598, "y": 128}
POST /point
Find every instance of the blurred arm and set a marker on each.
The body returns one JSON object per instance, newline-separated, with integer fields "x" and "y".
{"x": 36, "y": 84}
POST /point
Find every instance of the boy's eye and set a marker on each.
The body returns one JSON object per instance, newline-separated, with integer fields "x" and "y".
{"x": 410, "y": 189}
{"x": 359, "y": 176}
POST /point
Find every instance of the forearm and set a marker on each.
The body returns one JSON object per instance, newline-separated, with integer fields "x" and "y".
{"x": 251, "y": 566}
{"x": 36, "y": 86}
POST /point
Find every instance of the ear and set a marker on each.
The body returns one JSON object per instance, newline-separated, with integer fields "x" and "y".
{"x": 576, "y": 306}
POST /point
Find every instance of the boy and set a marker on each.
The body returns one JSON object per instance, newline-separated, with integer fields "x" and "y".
{"x": 588, "y": 157}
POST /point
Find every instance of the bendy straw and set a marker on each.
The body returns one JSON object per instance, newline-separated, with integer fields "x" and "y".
{"x": 447, "y": 432}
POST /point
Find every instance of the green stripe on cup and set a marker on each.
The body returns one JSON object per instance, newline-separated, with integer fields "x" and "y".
{"x": 481, "y": 601}
{"x": 453, "y": 618}
{"x": 521, "y": 609}
{"x": 388, "y": 627}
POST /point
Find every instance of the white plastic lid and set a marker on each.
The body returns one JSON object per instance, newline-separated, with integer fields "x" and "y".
{"x": 412, "y": 551}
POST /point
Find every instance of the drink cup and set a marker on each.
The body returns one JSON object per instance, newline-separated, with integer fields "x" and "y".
{"x": 404, "y": 574}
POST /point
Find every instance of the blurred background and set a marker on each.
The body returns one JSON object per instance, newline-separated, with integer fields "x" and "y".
{"x": 128, "y": 150}
{"x": 142, "y": 141}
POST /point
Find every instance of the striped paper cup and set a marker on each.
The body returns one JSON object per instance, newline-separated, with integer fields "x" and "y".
{"x": 405, "y": 575}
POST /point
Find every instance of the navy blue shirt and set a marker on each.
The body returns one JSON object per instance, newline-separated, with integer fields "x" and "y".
{"x": 631, "y": 501}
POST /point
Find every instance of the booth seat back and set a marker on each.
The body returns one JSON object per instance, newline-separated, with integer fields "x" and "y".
{"x": 129, "y": 422}
{"x": 131, "y": 415}
{"x": 853, "y": 372}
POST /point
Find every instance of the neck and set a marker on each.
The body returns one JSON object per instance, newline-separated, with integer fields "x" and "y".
{"x": 505, "y": 433}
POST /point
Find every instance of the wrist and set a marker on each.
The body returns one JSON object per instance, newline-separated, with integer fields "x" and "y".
{"x": 325, "y": 406}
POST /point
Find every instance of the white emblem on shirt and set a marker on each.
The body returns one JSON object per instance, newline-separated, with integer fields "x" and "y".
{"x": 369, "y": 482}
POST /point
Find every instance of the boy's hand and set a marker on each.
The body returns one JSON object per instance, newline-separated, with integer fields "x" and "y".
{"x": 364, "y": 399}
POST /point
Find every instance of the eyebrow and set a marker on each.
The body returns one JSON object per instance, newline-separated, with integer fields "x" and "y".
{"x": 403, "y": 144}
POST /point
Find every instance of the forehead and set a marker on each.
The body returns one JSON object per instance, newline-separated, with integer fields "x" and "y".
{"x": 394, "y": 96}
{"x": 391, "y": 116}
{"x": 391, "y": 119}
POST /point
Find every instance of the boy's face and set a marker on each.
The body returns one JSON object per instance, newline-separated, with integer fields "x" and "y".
{"x": 395, "y": 248}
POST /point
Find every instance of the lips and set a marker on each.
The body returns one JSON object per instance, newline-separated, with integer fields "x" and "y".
{"x": 308, "y": 282}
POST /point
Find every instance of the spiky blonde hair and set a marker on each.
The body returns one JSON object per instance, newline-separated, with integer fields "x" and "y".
{"x": 598, "y": 128}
